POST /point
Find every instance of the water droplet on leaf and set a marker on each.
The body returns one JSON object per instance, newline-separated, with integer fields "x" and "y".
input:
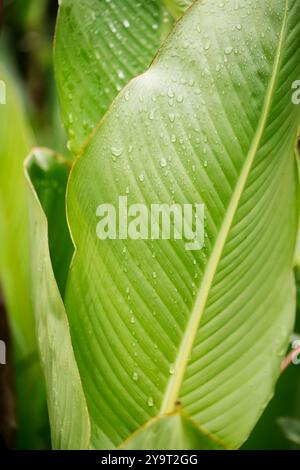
{"x": 228, "y": 50}
{"x": 116, "y": 151}
{"x": 163, "y": 162}
{"x": 135, "y": 376}
{"x": 150, "y": 402}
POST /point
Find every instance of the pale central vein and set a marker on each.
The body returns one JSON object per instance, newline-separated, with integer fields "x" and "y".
{"x": 174, "y": 384}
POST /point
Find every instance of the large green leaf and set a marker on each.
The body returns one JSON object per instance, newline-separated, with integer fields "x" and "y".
{"x": 155, "y": 326}
{"x": 47, "y": 177}
{"x": 15, "y": 141}
{"x": 100, "y": 45}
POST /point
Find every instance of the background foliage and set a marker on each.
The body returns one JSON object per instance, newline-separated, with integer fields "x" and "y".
{"x": 26, "y": 65}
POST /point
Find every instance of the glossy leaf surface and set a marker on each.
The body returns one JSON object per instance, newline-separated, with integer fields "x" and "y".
{"x": 154, "y": 325}
{"x": 100, "y": 46}
{"x": 46, "y": 177}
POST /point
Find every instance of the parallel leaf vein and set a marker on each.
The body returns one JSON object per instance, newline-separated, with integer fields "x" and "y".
{"x": 174, "y": 384}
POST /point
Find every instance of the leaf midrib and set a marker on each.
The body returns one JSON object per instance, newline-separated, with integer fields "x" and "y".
{"x": 174, "y": 384}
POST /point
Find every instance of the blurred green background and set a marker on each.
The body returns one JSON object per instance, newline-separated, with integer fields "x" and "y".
{"x": 31, "y": 117}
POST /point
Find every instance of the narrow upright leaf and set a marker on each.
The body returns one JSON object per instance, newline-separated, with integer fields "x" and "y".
{"x": 68, "y": 414}
{"x": 15, "y": 141}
